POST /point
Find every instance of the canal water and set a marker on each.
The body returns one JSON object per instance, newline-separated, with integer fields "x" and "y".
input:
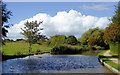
{"x": 47, "y": 63}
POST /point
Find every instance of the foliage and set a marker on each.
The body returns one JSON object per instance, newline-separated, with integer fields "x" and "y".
{"x": 96, "y": 38}
{"x": 112, "y": 33}
{"x": 93, "y": 37}
{"x": 57, "y": 40}
{"x": 5, "y": 17}
{"x": 42, "y": 39}
{"x": 8, "y": 40}
{"x": 31, "y": 32}
{"x": 68, "y": 50}
{"x": 71, "y": 40}
{"x": 84, "y": 38}
{"x": 115, "y": 47}
{"x": 19, "y": 39}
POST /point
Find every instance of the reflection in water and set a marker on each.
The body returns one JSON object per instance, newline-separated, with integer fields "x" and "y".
{"x": 47, "y": 63}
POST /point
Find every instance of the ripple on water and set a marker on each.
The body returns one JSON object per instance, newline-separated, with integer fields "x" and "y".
{"x": 49, "y": 63}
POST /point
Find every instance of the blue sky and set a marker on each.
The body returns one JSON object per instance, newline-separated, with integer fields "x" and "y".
{"x": 60, "y": 18}
{"x": 23, "y": 10}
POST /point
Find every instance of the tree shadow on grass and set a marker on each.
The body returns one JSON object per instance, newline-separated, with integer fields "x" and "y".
{"x": 115, "y": 56}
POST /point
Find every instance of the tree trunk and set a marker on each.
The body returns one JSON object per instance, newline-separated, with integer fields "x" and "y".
{"x": 30, "y": 48}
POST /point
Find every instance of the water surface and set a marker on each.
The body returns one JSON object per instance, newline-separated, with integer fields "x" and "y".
{"x": 47, "y": 63}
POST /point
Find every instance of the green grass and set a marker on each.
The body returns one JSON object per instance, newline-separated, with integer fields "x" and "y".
{"x": 109, "y": 62}
{"x": 102, "y": 53}
{"x": 23, "y": 48}
{"x": 115, "y": 55}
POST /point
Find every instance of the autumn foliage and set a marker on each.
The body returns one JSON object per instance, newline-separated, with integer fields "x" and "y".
{"x": 112, "y": 33}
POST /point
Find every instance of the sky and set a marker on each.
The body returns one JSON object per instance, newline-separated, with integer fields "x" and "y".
{"x": 60, "y": 18}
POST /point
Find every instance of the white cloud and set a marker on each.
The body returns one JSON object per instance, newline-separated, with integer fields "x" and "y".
{"x": 64, "y": 23}
{"x": 96, "y": 7}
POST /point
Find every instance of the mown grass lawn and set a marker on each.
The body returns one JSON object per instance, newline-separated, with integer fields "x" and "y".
{"x": 15, "y": 48}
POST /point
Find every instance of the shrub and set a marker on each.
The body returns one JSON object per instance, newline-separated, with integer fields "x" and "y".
{"x": 68, "y": 50}
{"x": 57, "y": 40}
{"x": 71, "y": 40}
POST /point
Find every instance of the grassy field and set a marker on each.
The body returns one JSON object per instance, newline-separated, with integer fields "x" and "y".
{"x": 15, "y": 48}
{"x": 109, "y": 62}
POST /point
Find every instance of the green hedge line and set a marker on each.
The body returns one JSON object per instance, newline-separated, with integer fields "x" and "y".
{"x": 115, "y": 47}
{"x": 73, "y": 50}
{"x": 67, "y": 50}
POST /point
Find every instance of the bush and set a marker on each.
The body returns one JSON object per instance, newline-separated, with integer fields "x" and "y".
{"x": 97, "y": 48}
{"x": 57, "y": 40}
{"x": 68, "y": 50}
{"x": 72, "y": 40}
{"x": 115, "y": 47}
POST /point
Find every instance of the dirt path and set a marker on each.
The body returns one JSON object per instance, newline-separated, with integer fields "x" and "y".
{"x": 107, "y": 54}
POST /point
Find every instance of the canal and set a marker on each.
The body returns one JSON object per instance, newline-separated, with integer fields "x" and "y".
{"x": 47, "y": 63}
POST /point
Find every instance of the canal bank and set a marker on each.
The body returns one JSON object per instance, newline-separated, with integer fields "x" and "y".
{"x": 107, "y": 62}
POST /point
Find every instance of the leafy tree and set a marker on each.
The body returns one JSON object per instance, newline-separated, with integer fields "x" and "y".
{"x": 57, "y": 40}
{"x": 93, "y": 37}
{"x": 19, "y": 39}
{"x": 42, "y": 39}
{"x": 97, "y": 38}
{"x": 71, "y": 40}
{"x": 112, "y": 33}
{"x": 84, "y": 38}
{"x": 5, "y": 17}
{"x": 31, "y": 32}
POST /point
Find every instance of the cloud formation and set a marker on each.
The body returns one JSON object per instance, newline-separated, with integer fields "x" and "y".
{"x": 64, "y": 23}
{"x": 96, "y": 7}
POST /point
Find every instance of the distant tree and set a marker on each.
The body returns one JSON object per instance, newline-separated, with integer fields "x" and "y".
{"x": 93, "y": 37}
{"x": 71, "y": 40}
{"x": 31, "y": 32}
{"x": 5, "y": 17}
{"x": 96, "y": 38}
{"x": 19, "y": 39}
{"x": 8, "y": 40}
{"x": 84, "y": 38}
{"x": 57, "y": 40}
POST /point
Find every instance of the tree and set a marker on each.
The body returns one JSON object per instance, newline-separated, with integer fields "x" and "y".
{"x": 5, "y": 17}
{"x": 97, "y": 38}
{"x": 71, "y": 40}
{"x": 93, "y": 37}
{"x": 19, "y": 39}
{"x": 57, "y": 40}
{"x": 85, "y": 37}
{"x": 112, "y": 33}
{"x": 31, "y": 32}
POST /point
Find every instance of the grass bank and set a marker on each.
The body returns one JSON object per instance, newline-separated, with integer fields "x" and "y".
{"x": 15, "y": 48}
{"x": 109, "y": 62}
